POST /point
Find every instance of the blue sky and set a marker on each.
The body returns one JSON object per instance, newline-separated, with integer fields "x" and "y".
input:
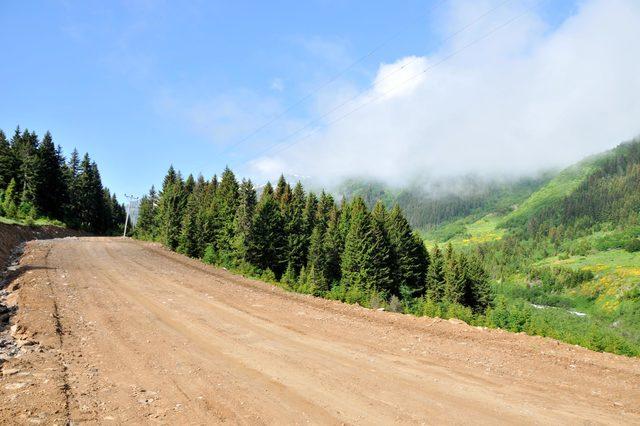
{"x": 144, "y": 84}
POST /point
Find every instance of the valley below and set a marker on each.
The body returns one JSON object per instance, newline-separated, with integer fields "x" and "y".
{"x": 122, "y": 331}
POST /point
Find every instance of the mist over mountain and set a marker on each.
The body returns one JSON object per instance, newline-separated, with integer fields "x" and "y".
{"x": 509, "y": 96}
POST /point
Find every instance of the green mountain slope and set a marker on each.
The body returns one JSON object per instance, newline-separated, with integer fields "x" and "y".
{"x": 564, "y": 255}
{"x": 429, "y": 204}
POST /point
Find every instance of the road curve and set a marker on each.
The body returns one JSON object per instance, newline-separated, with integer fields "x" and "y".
{"x": 126, "y": 332}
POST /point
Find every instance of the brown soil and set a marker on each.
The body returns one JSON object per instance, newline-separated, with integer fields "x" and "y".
{"x": 118, "y": 331}
{"x": 12, "y": 235}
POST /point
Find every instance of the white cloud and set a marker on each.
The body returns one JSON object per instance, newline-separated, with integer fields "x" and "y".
{"x": 525, "y": 98}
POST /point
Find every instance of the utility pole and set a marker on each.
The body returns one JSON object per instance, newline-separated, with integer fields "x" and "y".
{"x": 131, "y": 198}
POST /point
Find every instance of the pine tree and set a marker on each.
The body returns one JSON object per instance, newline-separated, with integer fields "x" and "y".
{"x": 309, "y": 214}
{"x": 170, "y": 208}
{"x": 118, "y": 216}
{"x": 294, "y": 228}
{"x": 25, "y": 146}
{"x": 455, "y": 279}
{"x": 227, "y": 203}
{"x": 479, "y": 293}
{"x": 381, "y": 254}
{"x": 410, "y": 254}
{"x": 280, "y": 190}
{"x": 189, "y": 184}
{"x": 74, "y": 202}
{"x": 188, "y": 243}
{"x": 345, "y": 218}
{"x": 289, "y": 276}
{"x": 267, "y": 244}
{"x": 435, "y": 280}
{"x": 11, "y": 199}
{"x": 324, "y": 207}
{"x": 333, "y": 246}
{"x": 316, "y": 261}
{"x": 365, "y": 258}
{"x": 244, "y": 218}
{"x": 146, "y": 227}
{"x": 8, "y": 162}
{"x": 48, "y": 181}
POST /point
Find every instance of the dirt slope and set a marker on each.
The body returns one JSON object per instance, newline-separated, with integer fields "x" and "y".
{"x": 13, "y": 235}
{"x": 117, "y": 331}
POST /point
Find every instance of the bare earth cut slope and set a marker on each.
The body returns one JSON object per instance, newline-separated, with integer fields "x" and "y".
{"x": 114, "y": 330}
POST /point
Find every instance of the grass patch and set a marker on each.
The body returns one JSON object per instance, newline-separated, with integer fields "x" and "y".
{"x": 37, "y": 222}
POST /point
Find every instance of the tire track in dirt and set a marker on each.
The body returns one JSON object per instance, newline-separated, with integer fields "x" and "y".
{"x": 150, "y": 335}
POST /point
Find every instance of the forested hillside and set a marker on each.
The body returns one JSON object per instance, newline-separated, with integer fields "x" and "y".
{"x": 565, "y": 262}
{"x": 608, "y": 193}
{"x": 37, "y": 184}
{"x": 429, "y": 203}
{"x": 308, "y": 243}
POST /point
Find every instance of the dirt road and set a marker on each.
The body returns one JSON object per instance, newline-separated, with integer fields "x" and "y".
{"x": 118, "y": 331}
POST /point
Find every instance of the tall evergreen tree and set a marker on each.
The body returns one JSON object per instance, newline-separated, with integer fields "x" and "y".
{"x": 382, "y": 255}
{"x": 8, "y": 162}
{"x": 316, "y": 263}
{"x": 333, "y": 246}
{"x": 244, "y": 218}
{"x": 189, "y": 240}
{"x": 49, "y": 184}
{"x": 365, "y": 258}
{"x": 170, "y": 208}
{"x": 294, "y": 228}
{"x": 435, "y": 280}
{"x": 267, "y": 244}
{"x": 455, "y": 279}
{"x": 146, "y": 226}
{"x": 227, "y": 203}
{"x": 281, "y": 188}
{"x": 410, "y": 254}
{"x": 11, "y": 199}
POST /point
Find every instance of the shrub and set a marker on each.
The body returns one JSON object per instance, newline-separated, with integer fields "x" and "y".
{"x": 268, "y": 276}
{"x": 376, "y": 300}
{"x": 209, "y": 255}
{"x": 394, "y": 304}
{"x": 633, "y": 245}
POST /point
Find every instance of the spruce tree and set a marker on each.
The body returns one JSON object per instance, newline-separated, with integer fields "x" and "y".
{"x": 227, "y": 203}
{"x": 11, "y": 199}
{"x": 455, "y": 279}
{"x": 345, "y": 218}
{"x": 310, "y": 213}
{"x": 324, "y": 207}
{"x": 8, "y": 166}
{"x": 381, "y": 254}
{"x": 435, "y": 275}
{"x": 146, "y": 227}
{"x": 48, "y": 181}
{"x": 189, "y": 184}
{"x": 294, "y": 228}
{"x": 266, "y": 248}
{"x": 410, "y": 255}
{"x": 170, "y": 208}
{"x": 479, "y": 292}
{"x": 244, "y": 218}
{"x": 333, "y": 245}
{"x": 316, "y": 263}
{"x": 365, "y": 261}
{"x": 188, "y": 243}
{"x": 281, "y": 188}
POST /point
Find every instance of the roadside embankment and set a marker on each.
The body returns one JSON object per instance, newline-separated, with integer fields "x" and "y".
{"x": 11, "y": 236}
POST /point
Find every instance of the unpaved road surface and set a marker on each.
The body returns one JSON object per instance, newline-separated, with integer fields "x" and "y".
{"x": 118, "y": 331}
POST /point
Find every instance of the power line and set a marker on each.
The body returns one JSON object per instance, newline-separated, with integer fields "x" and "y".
{"x": 383, "y": 94}
{"x": 326, "y": 83}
